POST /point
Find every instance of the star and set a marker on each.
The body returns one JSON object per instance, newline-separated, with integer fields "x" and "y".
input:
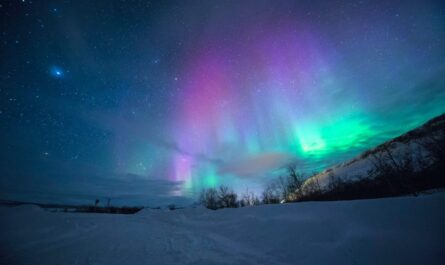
{"x": 99, "y": 91}
{"x": 56, "y": 72}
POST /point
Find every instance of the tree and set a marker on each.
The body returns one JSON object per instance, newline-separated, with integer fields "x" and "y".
{"x": 249, "y": 199}
{"x": 271, "y": 194}
{"x": 209, "y": 198}
{"x": 290, "y": 184}
{"x": 227, "y": 197}
{"x": 223, "y": 197}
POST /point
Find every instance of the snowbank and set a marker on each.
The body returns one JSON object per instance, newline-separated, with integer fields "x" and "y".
{"x": 409, "y": 230}
{"x": 410, "y": 145}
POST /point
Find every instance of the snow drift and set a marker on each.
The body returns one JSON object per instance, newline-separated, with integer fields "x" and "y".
{"x": 405, "y": 230}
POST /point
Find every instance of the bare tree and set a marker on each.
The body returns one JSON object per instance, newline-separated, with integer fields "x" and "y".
{"x": 271, "y": 194}
{"x": 249, "y": 199}
{"x": 209, "y": 198}
{"x": 223, "y": 197}
{"x": 290, "y": 184}
{"x": 227, "y": 197}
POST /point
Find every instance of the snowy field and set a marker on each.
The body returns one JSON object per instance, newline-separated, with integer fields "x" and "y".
{"x": 408, "y": 230}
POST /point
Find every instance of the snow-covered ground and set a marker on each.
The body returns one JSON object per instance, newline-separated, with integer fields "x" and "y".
{"x": 358, "y": 167}
{"x": 409, "y": 230}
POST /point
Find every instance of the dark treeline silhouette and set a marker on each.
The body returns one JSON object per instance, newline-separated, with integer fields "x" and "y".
{"x": 282, "y": 190}
{"x": 53, "y": 207}
{"x": 223, "y": 197}
{"x": 107, "y": 209}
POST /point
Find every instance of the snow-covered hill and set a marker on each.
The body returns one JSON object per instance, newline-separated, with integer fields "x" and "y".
{"x": 410, "y": 145}
{"x": 405, "y": 230}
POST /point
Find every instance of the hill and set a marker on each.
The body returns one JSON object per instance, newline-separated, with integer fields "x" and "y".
{"x": 408, "y": 164}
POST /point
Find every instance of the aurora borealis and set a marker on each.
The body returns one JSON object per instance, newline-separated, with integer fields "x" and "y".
{"x": 143, "y": 101}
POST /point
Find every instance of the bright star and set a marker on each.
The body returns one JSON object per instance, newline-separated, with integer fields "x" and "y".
{"x": 56, "y": 72}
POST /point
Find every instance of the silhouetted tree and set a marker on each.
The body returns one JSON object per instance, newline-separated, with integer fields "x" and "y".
{"x": 209, "y": 198}
{"x": 227, "y": 198}
{"x": 271, "y": 194}
{"x": 249, "y": 199}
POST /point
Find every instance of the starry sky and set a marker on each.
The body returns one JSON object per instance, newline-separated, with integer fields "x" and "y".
{"x": 148, "y": 102}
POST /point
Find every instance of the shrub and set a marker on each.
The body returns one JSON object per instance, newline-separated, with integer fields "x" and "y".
{"x": 209, "y": 198}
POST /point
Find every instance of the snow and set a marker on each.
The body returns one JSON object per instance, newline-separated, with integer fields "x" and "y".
{"x": 359, "y": 167}
{"x": 405, "y": 230}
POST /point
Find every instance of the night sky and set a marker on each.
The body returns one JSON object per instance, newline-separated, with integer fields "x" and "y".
{"x": 149, "y": 102}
